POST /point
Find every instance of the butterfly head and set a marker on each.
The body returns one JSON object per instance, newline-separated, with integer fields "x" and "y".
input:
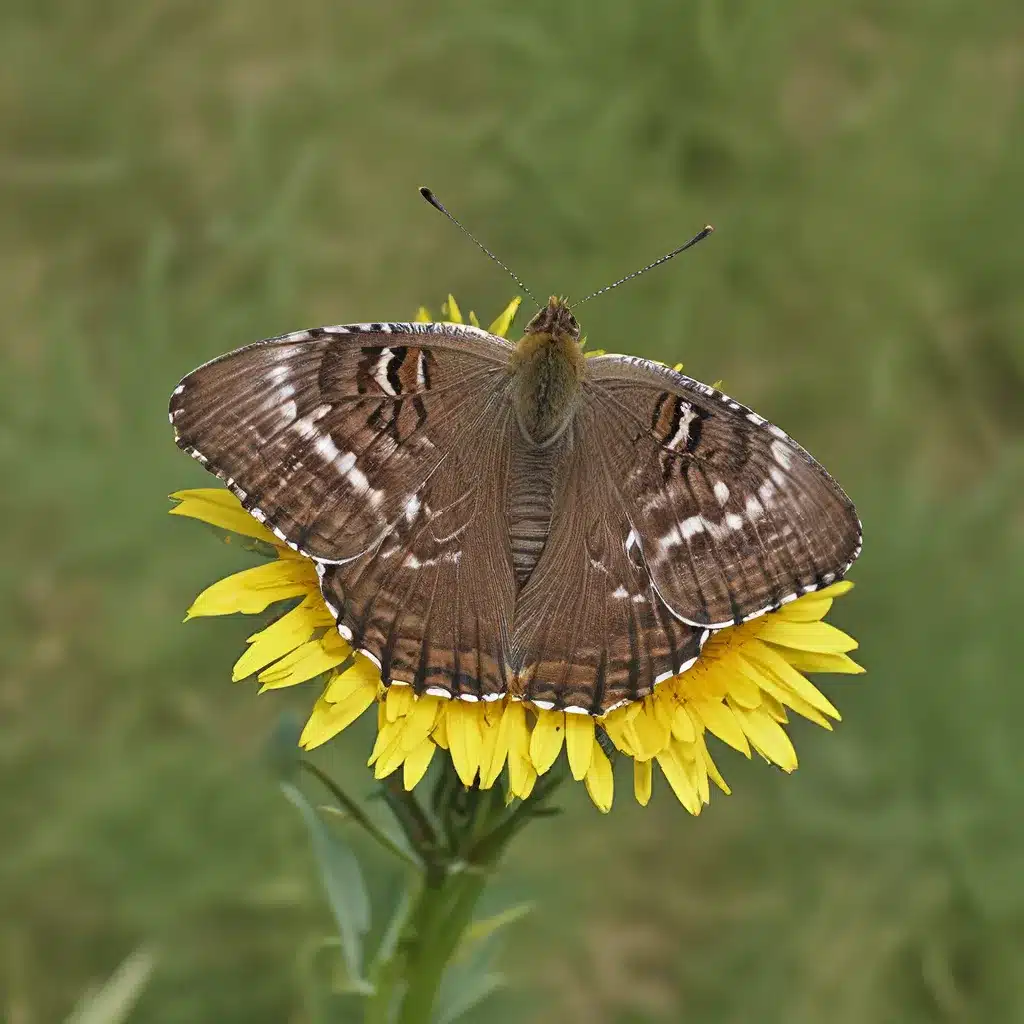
{"x": 556, "y": 321}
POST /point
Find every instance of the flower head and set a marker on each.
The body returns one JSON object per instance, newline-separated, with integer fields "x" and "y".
{"x": 740, "y": 690}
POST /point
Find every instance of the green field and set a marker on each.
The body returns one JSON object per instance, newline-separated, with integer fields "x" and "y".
{"x": 177, "y": 178}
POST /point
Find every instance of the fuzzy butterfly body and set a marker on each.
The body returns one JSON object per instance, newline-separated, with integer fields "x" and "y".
{"x": 490, "y": 519}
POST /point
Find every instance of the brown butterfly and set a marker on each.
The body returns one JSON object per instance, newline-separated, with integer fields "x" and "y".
{"x": 492, "y": 519}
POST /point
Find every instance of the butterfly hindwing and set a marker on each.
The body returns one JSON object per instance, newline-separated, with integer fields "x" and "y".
{"x": 732, "y": 516}
{"x": 591, "y": 631}
{"x": 432, "y": 602}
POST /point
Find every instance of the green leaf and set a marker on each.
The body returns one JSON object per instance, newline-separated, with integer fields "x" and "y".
{"x": 114, "y": 1000}
{"x": 480, "y": 931}
{"x": 282, "y": 749}
{"x": 343, "y": 881}
{"x": 463, "y": 987}
{"x": 389, "y": 940}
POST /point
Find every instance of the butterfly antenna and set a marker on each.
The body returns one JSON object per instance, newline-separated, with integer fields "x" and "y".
{"x": 699, "y": 237}
{"x": 436, "y": 204}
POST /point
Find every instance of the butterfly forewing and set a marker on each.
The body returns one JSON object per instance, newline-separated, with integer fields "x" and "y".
{"x": 326, "y": 434}
{"x": 380, "y": 451}
{"x": 732, "y": 516}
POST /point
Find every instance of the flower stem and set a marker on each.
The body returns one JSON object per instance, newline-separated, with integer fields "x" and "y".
{"x": 442, "y": 915}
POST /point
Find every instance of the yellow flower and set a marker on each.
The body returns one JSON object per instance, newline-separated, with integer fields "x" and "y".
{"x": 738, "y": 691}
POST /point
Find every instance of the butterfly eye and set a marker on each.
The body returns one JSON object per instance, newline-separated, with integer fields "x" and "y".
{"x": 572, "y": 322}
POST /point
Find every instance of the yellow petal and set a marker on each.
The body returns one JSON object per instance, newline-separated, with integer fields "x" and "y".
{"x": 773, "y": 705}
{"x": 361, "y": 674}
{"x": 495, "y": 745}
{"x": 805, "y": 661}
{"x": 615, "y": 724}
{"x": 221, "y": 508}
{"x": 768, "y": 737}
{"x": 390, "y": 759}
{"x": 521, "y": 773}
{"x": 710, "y": 766}
{"x": 290, "y": 631}
{"x": 473, "y": 319}
{"x": 453, "y": 315}
{"x": 417, "y": 762}
{"x": 423, "y": 316}
{"x": 388, "y": 737}
{"x": 721, "y": 721}
{"x": 835, "y": 590}
{"x": 579, "y": 743}
{"x": 439, "y": 733}
{"x": 682, "y": 725}
{"x": 643, "y": 778}
{"x": 600, "y": 782}
{"x": 699, "y": 775}
{"x": 807, "y": 609}
{"x": 820, "y": 637}
{"x": 329, "y": 719}
{"x": 306, "y": 662}
{"x": 764, "y": 659}
{"x": 464, "y": 740}
{"x": 504, "y": 321}
{"x": 647, "y": 732}
{"x": 253, "y": 590}
{"x": 678, "y": 367}
{"x": 547, "y": 738}
{"x": 419, "y": 722}
{"x": 399, "y": 701}
{"x": 679, "y": 779}
{"x": 743, "y": 690}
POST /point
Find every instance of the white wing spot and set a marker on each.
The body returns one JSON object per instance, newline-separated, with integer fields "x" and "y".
{"x": 327, "y": 448}
{"x": 755, "y": 510}
{"x": 412, "y": 508}
{"x": 721, "y": 492}
{"x": 691, "y": 527}
{"x": 781, "y": 454}
{"x": 278, "y": 374}
{"x": 733, "y": 521}
{"x": 380, "y": 372}
{"x": 620, "y": 592}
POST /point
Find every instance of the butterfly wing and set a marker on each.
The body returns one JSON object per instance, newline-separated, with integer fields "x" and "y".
{"x": 591, "y": 631}
{"x": 732, "y": 517}
{"x": 375, "y": 449}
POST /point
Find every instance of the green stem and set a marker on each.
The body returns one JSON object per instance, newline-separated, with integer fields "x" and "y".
{"x": 442, "y": 916}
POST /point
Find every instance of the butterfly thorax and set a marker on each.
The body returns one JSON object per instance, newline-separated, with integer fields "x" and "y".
{"x": 548, "y": 365}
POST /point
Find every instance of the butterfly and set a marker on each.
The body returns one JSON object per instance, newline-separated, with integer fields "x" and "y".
{"x": 492, "y": 519}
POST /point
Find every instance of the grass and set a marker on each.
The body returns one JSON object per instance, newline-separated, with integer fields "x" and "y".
{"x": 178, "y": 178}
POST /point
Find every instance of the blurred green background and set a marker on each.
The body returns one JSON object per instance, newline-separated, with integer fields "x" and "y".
{"x": 178, "y": 178}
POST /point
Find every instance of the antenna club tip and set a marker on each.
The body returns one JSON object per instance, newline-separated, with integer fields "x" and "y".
{"x": 708, "y": 228}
